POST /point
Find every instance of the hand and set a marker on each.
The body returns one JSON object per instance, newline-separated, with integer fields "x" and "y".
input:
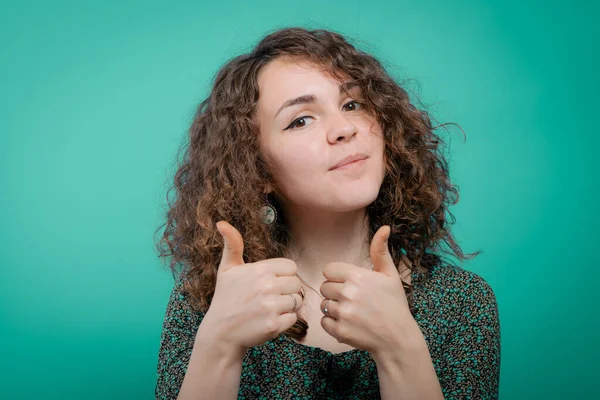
{"x": 368, "y": 309}
{"x": 252, "y": 302}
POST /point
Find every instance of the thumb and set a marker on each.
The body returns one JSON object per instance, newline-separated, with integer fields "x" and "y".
{"x": 233, "y": 246}
{"x": 380, "y": 254}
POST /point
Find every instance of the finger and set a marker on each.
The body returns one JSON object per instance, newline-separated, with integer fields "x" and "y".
{"x": 332, "y": 290}
{"x": 285, "y": 303}
{"x": 288, "y": 284}
{"x": 280, "y": 266}
{"x": 338, "y": 271}
{"x": 332, "y": 308}
{"x": 286, "y": 321}
{"x": 380, "y": 254}
{"x": 329, "y": 326}
{"x": 233, "y": 246}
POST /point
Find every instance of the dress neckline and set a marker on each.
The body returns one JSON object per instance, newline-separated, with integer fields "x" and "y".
{"x": 415, "y": 277}
{"x": 318, "y": 350}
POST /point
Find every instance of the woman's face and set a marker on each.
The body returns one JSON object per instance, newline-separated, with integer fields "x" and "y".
{"x": 303, "y": 141}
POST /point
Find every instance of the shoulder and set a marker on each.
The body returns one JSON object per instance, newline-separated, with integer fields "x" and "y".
{"x": 176, "y": 343}
{"x": 457, "y": 292}
{"x": 178, "y": 296}
{"x": 447, "y": 279}
{"x": 180, "y": 309}
{"x": 461, "y": 323}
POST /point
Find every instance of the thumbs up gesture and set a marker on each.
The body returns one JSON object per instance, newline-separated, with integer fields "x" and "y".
{"x": 368, "y": 309}
{"x": 253, "y": 302}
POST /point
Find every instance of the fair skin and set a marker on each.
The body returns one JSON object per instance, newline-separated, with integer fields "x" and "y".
{"x": 325, "y": 209}
{"x": 326, "y": 206}
{"x": 325, "y": 213}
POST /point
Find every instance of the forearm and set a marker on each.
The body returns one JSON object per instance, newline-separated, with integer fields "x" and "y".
{"x": 214, "y": 371}
{"x": 407, "y": 372}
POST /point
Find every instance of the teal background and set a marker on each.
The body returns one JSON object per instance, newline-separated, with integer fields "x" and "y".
{"x": 95, "y": 100}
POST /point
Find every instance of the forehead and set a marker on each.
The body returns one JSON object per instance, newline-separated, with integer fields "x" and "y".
{"x": 284, "y": 78}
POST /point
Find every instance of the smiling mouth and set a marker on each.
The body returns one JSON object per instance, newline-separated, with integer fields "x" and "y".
{"x": 350, "y": 159}
{"x": 351, "y": 165}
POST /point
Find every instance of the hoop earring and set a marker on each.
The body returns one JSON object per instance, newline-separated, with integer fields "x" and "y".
{"x": 268, "y": 213}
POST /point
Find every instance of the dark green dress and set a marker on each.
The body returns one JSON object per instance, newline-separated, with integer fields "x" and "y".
{"x": 456, "y": 310}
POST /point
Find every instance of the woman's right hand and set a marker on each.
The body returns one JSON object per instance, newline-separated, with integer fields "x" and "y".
{"x": 252, "y": 302}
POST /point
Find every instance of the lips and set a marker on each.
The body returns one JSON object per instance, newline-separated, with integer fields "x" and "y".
{"x": 349, "y": 159}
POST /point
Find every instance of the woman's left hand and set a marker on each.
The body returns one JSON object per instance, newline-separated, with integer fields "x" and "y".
{"x": 368, "y": 308}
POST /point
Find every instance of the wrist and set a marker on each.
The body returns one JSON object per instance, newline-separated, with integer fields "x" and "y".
{"x": 404, "y": 344}
{"x": 211, "y": 338}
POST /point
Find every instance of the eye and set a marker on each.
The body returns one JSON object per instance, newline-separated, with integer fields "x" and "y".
{"x": 356, "y": 103}
{"x": 296, "y": 123}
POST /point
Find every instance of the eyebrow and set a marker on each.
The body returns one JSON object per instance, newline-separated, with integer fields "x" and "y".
{"x": 311, "y": 98}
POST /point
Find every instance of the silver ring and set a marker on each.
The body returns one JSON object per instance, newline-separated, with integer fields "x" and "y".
{"x": 295, "y": 302}
{"x": 325, "y": 310}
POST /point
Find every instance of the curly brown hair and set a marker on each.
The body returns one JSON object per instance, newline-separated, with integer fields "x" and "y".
{"x": 223, "y": 175}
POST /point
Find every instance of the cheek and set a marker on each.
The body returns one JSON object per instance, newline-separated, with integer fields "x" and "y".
{"x": 287, "y": 158}
{"x": 305, "y": 154}
{"x": 296, "y": 162}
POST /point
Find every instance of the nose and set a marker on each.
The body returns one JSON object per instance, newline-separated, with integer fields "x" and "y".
{"x": 341, "y": 129}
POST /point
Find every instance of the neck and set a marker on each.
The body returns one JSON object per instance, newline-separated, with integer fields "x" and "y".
{"x": 318, "y": 239}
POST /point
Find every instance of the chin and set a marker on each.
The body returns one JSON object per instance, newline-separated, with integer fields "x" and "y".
{"x": 357, "y": 200}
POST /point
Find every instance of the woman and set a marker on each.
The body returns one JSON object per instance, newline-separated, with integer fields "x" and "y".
{"x": 306, "y": 238}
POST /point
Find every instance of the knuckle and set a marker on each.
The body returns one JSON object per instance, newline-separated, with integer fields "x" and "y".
{"x": 357, "y": 277}
{"x": 350, "y": 292}
{"x": 293, "y": 266}
{"x": 267, "y": 285}
{"x": 346, "y": 292}
{"x": 258, "y": 270}
{"x": 341, "y": 334}
{"x": 345, "y": 311}
{"x": 271, "y": 326}
{"x": 269, "y": 306}
{"x": 297, "y": 284}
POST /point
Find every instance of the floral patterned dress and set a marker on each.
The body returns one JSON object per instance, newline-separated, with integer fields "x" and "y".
{"x": 456, "y": 310}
